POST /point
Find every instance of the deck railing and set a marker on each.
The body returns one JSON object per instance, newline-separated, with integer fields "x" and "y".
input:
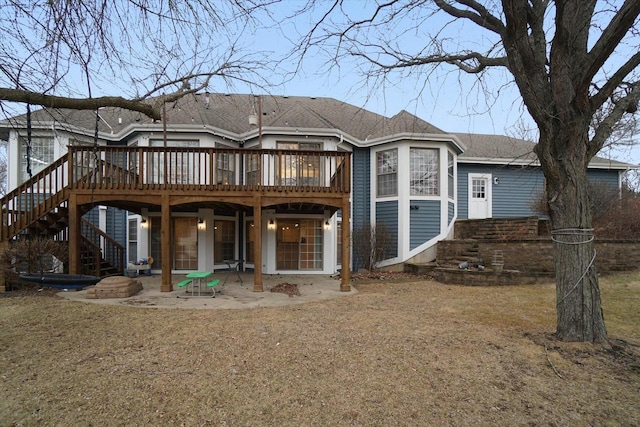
{"x": 172, "y": 168}
{"x": 185, "y": 168}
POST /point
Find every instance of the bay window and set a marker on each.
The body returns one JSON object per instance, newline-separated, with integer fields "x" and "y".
{"x": 450, "y": 174}
{"x": 387, "y": 172}
{"x": 424, "y": 171}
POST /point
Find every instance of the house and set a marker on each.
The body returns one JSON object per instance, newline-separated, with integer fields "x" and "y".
{"x": 273, "y": 184}
{"x": 510, "y": 172}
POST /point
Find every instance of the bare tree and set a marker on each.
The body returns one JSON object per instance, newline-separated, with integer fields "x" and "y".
{"x": 575, "y": 64}
{"x": 63, "y": 54}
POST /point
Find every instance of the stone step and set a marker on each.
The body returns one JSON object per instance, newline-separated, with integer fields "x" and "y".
{"x": 420, "y": 268}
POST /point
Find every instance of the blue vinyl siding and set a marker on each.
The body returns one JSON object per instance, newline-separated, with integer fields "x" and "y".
{"x": 93, "y": 216}
{"x": 609, "y": 177}
{"x": 387, "y": 215}
{"x": 424, "y": 222}
{"x": 511, "y": 197}
{"x": 117, "y": 225}
{"x": 28, "y": 201}
{"x": 116, "y": 222}
{"x": 361, "y": 195}
{"x": 452, "y": 211}
{"x": 516, "y": 189}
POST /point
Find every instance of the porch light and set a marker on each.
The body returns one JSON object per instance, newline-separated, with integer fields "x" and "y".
{"x": 143, "y": 223}
{"x": 271, "y": 225}
{"x": 201, "y": 224}
{"x": 327, "y": 225}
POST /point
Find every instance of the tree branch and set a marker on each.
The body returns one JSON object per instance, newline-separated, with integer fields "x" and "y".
{"x": 625, "y": 105}
{"x": 621, "y": 23}
{"x": 480, "y": 62}
{"x": 51, "y": 101}
{"x": 599, "y": 98}
{"x": 527, "y": 54}
{"x": 480, "y": 15}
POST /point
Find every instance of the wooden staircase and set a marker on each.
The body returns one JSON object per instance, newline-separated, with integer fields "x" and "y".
{"x": 100, "y": 255}
{"x": 39, "y": 207}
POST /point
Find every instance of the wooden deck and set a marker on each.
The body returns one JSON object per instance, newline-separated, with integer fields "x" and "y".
{"x": 164, "y": 178}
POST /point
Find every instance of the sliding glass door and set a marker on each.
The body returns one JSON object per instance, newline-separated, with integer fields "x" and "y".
{"x": 299, "y": 244}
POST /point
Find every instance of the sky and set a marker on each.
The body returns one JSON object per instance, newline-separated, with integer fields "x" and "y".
{"x": 451, "y": 101}
{"x": 448, "y": 99}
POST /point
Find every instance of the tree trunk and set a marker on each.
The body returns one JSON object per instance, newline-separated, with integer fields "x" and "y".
{"x": 579, "y": 311}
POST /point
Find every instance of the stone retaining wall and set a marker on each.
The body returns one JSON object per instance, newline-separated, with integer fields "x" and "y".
{"x": 498, "y": 228}
{"x": 536, "y": 256}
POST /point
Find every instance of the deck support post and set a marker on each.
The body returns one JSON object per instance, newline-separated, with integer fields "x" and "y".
{"x": 257, "y": 247}
{"x": 4, "y": 245}
{"x": 345, "y": 273}
{"x": 75, "y": 234}
{"x": 165, "y": 238}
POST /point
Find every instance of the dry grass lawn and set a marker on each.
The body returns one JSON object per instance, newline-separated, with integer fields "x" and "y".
{"x": 397, "y": 353}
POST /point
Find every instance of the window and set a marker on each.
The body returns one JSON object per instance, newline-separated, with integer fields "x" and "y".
{"x": 132, "y": 239}
{"x": 251, "y": 167}
{"x": 155, "y": 242}
{"x": 450, "y": 176}
{"x": 479, "y": 188}
{"x": 41, "y": 155}
{"x": 299, "y": 169}
{"x": 182, "y": 166}
{"x": 424, "y": 172}
{"x": 387, "y": 172}
{"x": 85, "y": 162}
{"x": 311, "y": 245}
{"x": 226, "y": 170}
{"x": 250, "y": 243}
{"x": 224, "y": 241}
{"x": 185, "y": 243}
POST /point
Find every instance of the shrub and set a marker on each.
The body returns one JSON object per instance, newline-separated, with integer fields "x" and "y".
{"x": 31, "y": 255}
{"x": 370, "y": 245}
{"x": 621, "y": 221}
{"x": 613, "y": 217}
{"x": 602, "y": 196}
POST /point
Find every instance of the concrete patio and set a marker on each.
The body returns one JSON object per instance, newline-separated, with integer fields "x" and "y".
{"x": 234, "y": 294}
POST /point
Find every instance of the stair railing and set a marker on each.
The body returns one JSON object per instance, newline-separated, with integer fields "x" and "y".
{"x": 89, "y": 257}
{"x": 33, "y": 199}
{"x": 103, "y": 248}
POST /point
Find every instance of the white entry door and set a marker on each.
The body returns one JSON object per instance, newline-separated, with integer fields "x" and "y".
{"x": 479, "y": 196}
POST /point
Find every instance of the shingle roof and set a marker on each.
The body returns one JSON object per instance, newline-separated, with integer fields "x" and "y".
{"x": 231, "y": 113}
{"x": 504, "y": 149}
{"x": 480, "y": 146}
